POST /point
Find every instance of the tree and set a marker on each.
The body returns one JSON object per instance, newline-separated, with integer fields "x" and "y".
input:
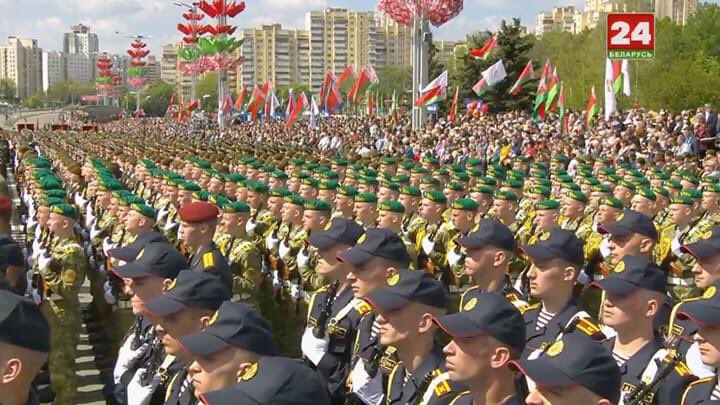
{"x": 396, "y": 79}
{"x": 281, "y": 92}
{"x": 7, "y": 89}
{"x": 155, "y": 98}
{"x": 207, "y": 85}
{"x": 35, "y": 101}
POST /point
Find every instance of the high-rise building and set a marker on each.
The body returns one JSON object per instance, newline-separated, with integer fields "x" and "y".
{"x": 21, "y": 61}
{"x": 677, "y": 10}
{"x": 273, "y": 53}
{"x": 393, "y": 43}
{"x": 560, "y": 19}
{"x": 80, "y": 41}
{"x": 169, "y": 64}
{"x": 152, "y": 69}
{"x": 79, "y": 67}
{"x": 53, "y": 68}
{"x": 596, "y": 10}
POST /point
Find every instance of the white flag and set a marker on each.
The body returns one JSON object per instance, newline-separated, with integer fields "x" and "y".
{"x": 314, "y": 112}
{"x": 494, "y": 73}
{"x": 610, "y": 100}
{"x": 626, "y": 77}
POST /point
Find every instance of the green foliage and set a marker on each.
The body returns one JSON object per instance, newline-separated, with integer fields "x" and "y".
{"x": 69, "y": 92}
{"x": 513, "y": 48}
{"x": 7, "y": 89}
{"x": 396, "y": 79}
{"x": 208, "y": 85}
{"x": 35, "y": 101}
{"x": 281, "y": 92}
{"x": 684, "y": 74}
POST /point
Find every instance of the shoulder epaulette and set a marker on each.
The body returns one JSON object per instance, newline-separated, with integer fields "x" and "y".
{"x": 362, "y": 307}
{"x": 680, "y": 368}
{"x": 529, "y": 308}
{"x": 443, "y": 388}
{"x": 208, "y": 260}
{"x": 590, "y": 328}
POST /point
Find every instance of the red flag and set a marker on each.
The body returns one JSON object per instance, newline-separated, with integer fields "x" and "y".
{"x": 227, "y": 104}
{"x": 240, "y": 100}
{"x": 332, "y": 99}
{"x": 471, "y": 108}
{"x": 527, "y": 74}
{"x": 258, "y": 99}
{"x": 300, "y": 105}
{"x": 346, "y": 78}
{"x": 484, "y": 52}
{"x": 371, "y": 105}
{"x": 326, "y": 83}
{"x": 453, "y": 108}
{"x": 171, "y": 106}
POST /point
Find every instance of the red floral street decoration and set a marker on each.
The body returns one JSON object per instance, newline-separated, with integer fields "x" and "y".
{"x": 137, "y": 70}
{"x": 104, "y": 79}
{"x": 438, "y": 12}
{"x": 222, "y": 8}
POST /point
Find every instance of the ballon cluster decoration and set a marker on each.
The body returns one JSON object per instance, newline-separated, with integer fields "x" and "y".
{"x": 138, "y": 51}
{"x": 104, "y": 80}
{"x": 438, "y": 12}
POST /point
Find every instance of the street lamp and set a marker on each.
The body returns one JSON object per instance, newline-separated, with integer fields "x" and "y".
{"x": 193, "y": 29}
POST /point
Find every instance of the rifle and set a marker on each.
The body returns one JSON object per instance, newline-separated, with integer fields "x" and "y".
{"x": 417, "y": 397}
{"x": 373, "y": 363}
{"x": 158, "y": 353}
{"x": 136, "y": 330}
{"x": 639, "y": 394}
{"x": 320, "y": 327}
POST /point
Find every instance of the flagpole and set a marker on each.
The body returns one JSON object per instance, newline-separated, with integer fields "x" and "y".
{"x": 420, "y": 67}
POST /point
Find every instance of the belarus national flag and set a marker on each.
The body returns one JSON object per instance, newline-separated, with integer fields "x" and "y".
{"x": 300, "y": 105}
{"x": 592, "y": 107}
{"x": 435, "y": 91}
{"x": 527, "y": 74}
{"x": 484, "y": 52}
{"x": 490, "y": 77}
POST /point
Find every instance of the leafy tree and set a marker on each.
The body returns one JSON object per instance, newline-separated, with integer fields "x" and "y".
{"x": 207, "y": 85}
{"x": 154, "y": 99}
{"x": 281, "y": 92}
{"x": 35, "y": 101}
{"x": 7, "y": 89}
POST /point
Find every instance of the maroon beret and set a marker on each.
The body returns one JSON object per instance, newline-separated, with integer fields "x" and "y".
{"x": 197, "y": 212}
{"x": 5, "y": 203}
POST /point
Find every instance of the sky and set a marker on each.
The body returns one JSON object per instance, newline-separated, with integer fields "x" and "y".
{"x": 47, "y": 20}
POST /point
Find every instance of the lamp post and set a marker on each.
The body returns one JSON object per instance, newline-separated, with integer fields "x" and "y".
{"x": 192, "y": 31}
{"x": 138, "y": 52}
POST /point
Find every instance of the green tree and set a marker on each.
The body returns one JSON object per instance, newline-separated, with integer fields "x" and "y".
{"x": 35, "y": 101}
{"x": 281, "y": 92}
{"x": 207, "y": 85}
{"x": 155, "y": 98}
{"x": 397, "y": 79}
{"x": 7, "y": 89}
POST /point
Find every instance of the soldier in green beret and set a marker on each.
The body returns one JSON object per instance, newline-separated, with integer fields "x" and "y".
{"x": 547, "y": 217}
{"x": 391, "y": 215}
{"x": 410, "y": 198}
{"x": 431, "y": 249}
{"x": 388, "y": 191}
{"x": 316, "y": 216}
{"x": 365, "y": 210}
{"x": 344, "y": 203}
{"x": 505, "y": 207}
{"x": 573, "y": 210}
{"x": 463, "y": 221}
{"x": 483, "y": 196}
{"x": 327, "y": 191}
{"x": 63, "y": 271}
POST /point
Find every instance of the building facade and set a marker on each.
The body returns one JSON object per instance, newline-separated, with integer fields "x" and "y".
{"x": 677, "y": 10}
{"x": 21, "y": 61}
{"x": 560, "y": 19}
{"x": 80, "y": 41}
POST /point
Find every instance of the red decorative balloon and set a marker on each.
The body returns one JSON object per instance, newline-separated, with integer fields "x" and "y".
{"x": 438, "y": 12}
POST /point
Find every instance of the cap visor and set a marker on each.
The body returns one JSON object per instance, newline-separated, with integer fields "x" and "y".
{"x": 700, "y": 313}
{"x": 616, "y": 286}
{"x": 472, "y": 243}
{"x": 458, "y": 325}
{"x": 536, "y": 252}
{"x": 321, "y": 241}
{"x": 543, "y": 372}
{"x": 203, "y": 344}
{"x": 699, "y": 250}
{"x": 614, "y": 229}
{"x": 355, "y": 256}
{"x": 126, "y": 253}
{"x": 164, "y": 306}
{"x": 385, "y": 300}
{"x": 131, "y": 270}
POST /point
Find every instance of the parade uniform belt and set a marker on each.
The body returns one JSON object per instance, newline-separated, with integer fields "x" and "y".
{"x": 681, "y": 282}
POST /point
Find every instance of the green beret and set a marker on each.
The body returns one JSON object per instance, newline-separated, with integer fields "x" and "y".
{"x": 391, "y": 206}
{"x": 309, "y": 181}
{"x": 673, "y": 184}
{"x": 217, "y": 176}
{"x": 487, "y": 181}
{"x": 627, "y": 185}
{"x": 473, "y": 162}
{"x": 647, "y": 193}
{"x": 602, "y": 188}
{"x": 607, "y": 171}
{"x": 295, "y": 200}
{"x": 280, "y": 192}
{"x": 560, "y": 159}
{"x": 318, "y": 205}
{"x": 201, "y": 195}
{"x": 538, "y": 173}
{"x": 455, "y": 186}
{"x": 367, "y": 172}
{"x": 46, "y": 201}
{"x": 217, "y": 199}
{"x": 300, "y": 175}
{"x": 418, "y": 170}
{"x": 330, "y": 175}
{"x": 443, "y": 171}
{"x": 430, "y": 180}
{"x": 255, "y": 165}
{"x": 339, "y": 162}
{"x": 590, "y": 181}
{"x": 430, "y": 159}
{"x": 109, "y": 185}
{"x": 543, "y": 182}
{"x": 435, "y": 196}
{"x": 328, "y": 185}
{"x": 692, "y": 193}
{"x": 257, "y": 187}
{"x": 712, "y": 188}
{"x": 189, "y": 186}
{"x": 483, "y": 189}
{"x": 564, "y": 178}
{"x": 389, "y": 184}
{"x": 279, "y": 174}
{"x": 541, "y": 190}
{"x": 235, "y": 207}
{"x": 235, "y": 178}
{"x": 411, "y": 191}
{"x": 577, "y": 196}
{"x": 465, "y": 204}
{"x": 641, "y": 182}
{"x": 48, "y": 183}
{"x": 547, "y": 205}
{"x": 347, "y": 191}
{"x": 400, "y": 179}
{"x": 460, "y": 176}
{"x": 661, "y": 175}
{"x": 144, "y": 210}
{"x": 406, "y": 164}
{"x": 612, "y": 202}
{"x": 692, "y": 179}
{"x": 506, "y": 196}
{"x": 522, "y": 158}
{"x": 203, "y": 164}
{"x": 512, "y": 184}
{"x": 682, "y": 199}
{"x": 55, "y": 193}
{"x": 661, "y": 190}
{"x": 570, "y": 186}
{"x": 388, "y": 160}
{"x": 366, "y": 198}
{"x": 65, "y": 210}
{"x": 148, "y": 164}
{"x": 475, "y": 172}
{"x": 297, "y": 162}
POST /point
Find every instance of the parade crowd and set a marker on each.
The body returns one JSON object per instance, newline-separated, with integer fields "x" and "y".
{"x": 493, "y": 260}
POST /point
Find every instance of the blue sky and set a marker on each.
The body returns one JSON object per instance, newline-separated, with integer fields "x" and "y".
{"x": 46, "y": 20}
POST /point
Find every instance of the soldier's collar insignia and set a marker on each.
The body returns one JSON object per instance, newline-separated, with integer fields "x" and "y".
{"x": 707, "y": 235}
{"x": 544, "y": 236}
{"x": 361, "y": 239}
{"x": 140, "y": 254}
{"x": 710, "y": 292}
{"x": 250, "y": 373}
{"x": 393, "y": 280}
{"x": 214, "y": 318}
{"x": 470, "y": 305}
{"x": 620, "y": 267}
{"x": 328, "y": 226}
{"x": 475, "y": 228}
{"x": 555, "y": 349}
{"x": 620, "y": 217}
{"x": 171, "y": 285}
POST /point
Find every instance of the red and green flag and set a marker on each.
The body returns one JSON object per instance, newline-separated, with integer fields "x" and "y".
{"x": 299, "y": 107}
{"x": 434, "y": 92}
{"x": 484, "y": 52}
{"x": 541, "y": 95}
{"x": 525, "y": 76}
{"x": 453, "y": 108}
{"x": 592, "y": 107}
{"x": 553, "y": 90}
{"x": 365, "y": 81}
{"x": 346, "y": 79}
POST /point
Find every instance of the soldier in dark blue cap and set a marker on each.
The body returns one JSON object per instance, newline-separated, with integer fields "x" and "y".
{"x": 706, "y": 252}
{"x": 574, "y": 370}
{"x": 704, "y": 314}
{"x": 235, "y": 339}
{"x": 405, "y": 308}
{"x": 634, "y": 234}
{"x": 378, "y": 255}
{"x": 556, "y": 259}
{"x": 333, "y": 316}
{"x": 487, "y": 334}
{"x": 634, "y": 294}
{"x": 144, "y": 278}
{"x": 487, "y": 252}
{"x": 24, "y": 348}
{"x": 186, "y": 306}
{"x": 273, "y": 380}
